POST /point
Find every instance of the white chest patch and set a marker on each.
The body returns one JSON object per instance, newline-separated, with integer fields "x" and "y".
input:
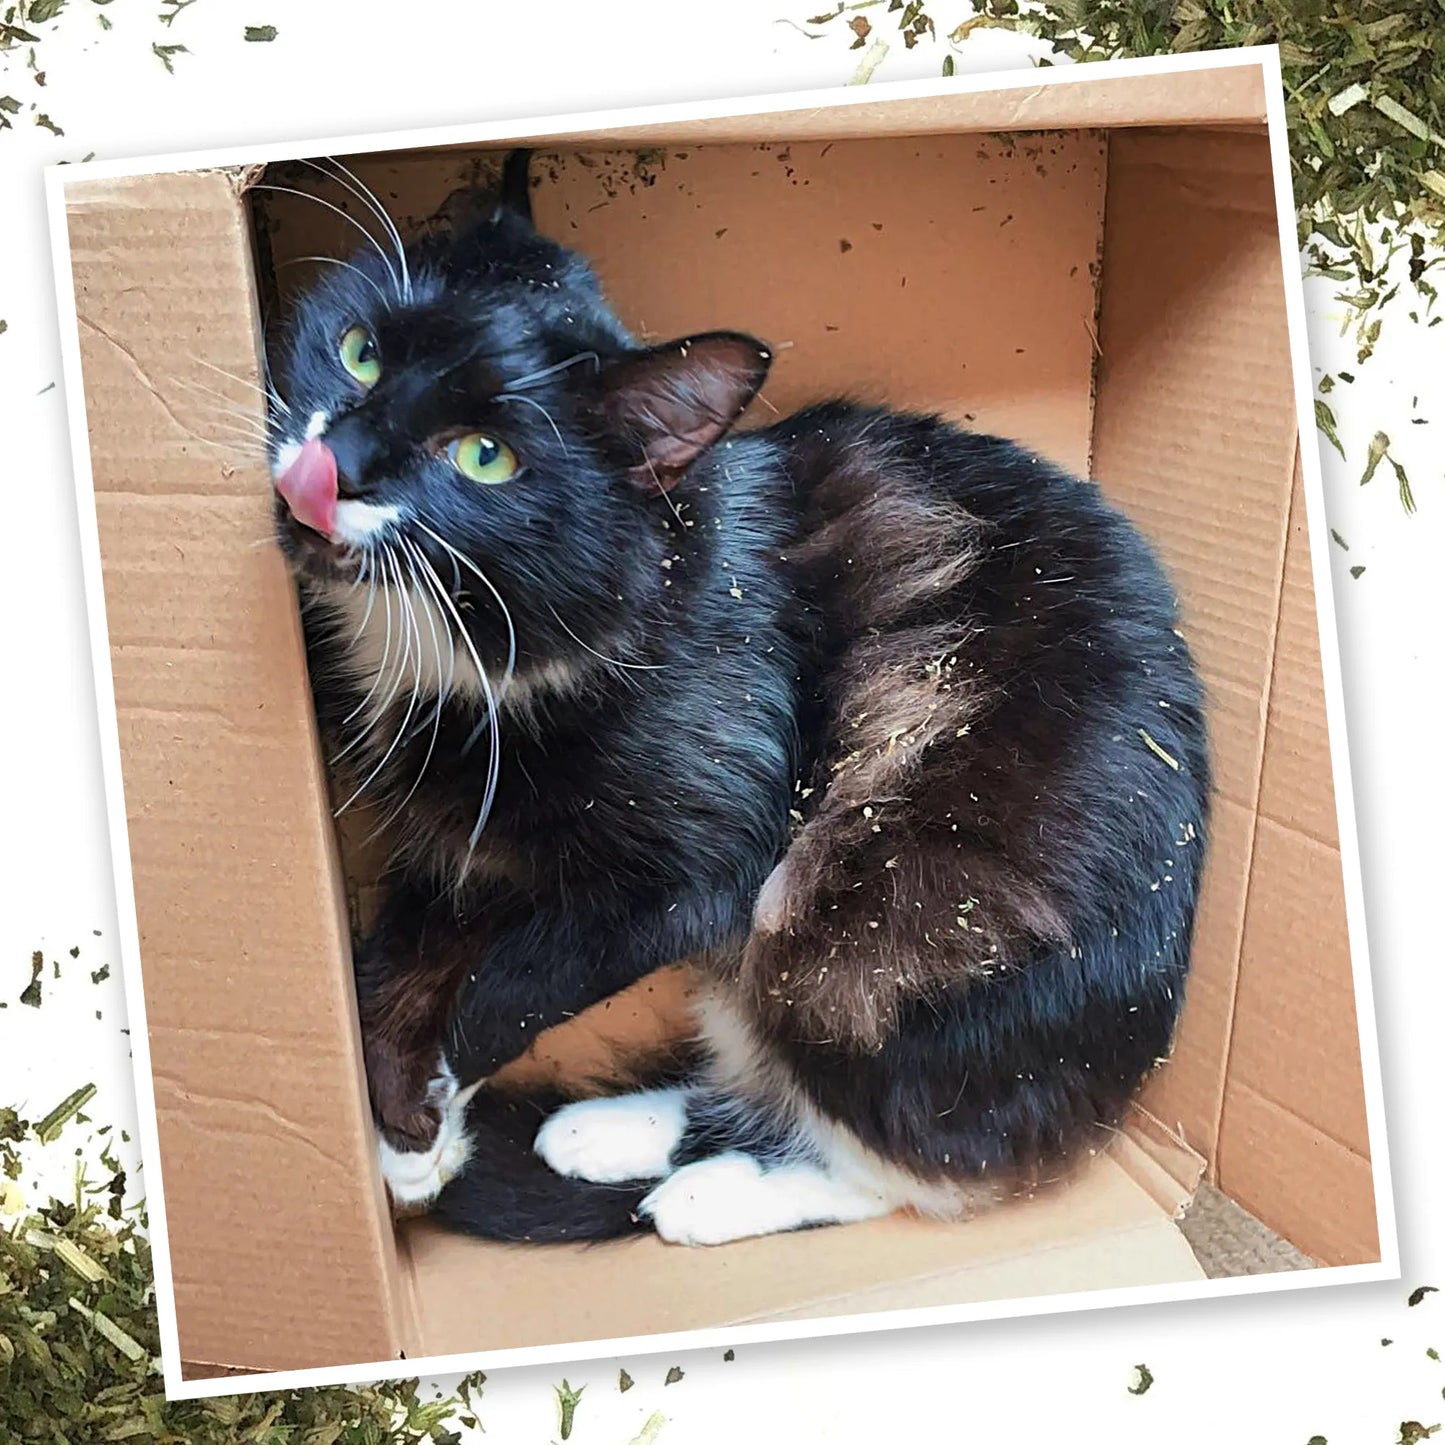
{"x": 400, "y": 640}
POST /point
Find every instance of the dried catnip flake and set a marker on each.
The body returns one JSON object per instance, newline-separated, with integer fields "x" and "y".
{"x": 49, "y": 1128}
{"x": 260, "y": 32}
{"x": 673, "y": 1376}
{"x": 567, "y": 1399}
{"x": 1158, "y": 751}
{"x": 164, "y": 53}
{"x": 1143, "y": 1380}
{"x": 650, "y": 1431}
{"x": 1417, "y": 1295}
{"x": 31, "y": 995}
{"x": 1379, "y": 448}
{"x": 624, "y": 1381}
{"x": 1412, "y": 1432}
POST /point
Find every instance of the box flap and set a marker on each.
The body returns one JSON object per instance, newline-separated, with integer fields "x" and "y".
{"x": 1294, "y": 1129}
{"x": 1195, "y": 432}
{"x": 274, "y": 1211}
{"x": 1231, "y": 95}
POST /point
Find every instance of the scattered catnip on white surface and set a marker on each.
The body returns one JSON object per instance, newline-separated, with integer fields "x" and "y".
{"x": 1286, "y": 1368}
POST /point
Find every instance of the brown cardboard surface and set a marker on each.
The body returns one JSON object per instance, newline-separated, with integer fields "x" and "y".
{"x": 1294, "y": 1072}
{"x": 1195, "y": 434}
{"x": 953, "y": 271}
{"x": 278, "y": 1237}
{"x": 1102, "y": 1228}
{"x": 836, "y": 254}
{"x": 1214, "y": 98}
{"x": 1293, "y": 1177}
{"x": 1298, "y": 785}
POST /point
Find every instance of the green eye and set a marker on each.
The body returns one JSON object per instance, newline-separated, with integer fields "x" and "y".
{"x": 483, "y": 458}
{"x": 360, "y": 357}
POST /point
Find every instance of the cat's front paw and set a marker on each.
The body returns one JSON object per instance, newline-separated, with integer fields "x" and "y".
{"x": 425, "y": 1145}
{"x": 713, "y": 1201}
{"x": 614, "y": 1140}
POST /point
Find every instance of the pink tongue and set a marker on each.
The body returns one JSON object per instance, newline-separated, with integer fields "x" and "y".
{"x": 308, "y": 487}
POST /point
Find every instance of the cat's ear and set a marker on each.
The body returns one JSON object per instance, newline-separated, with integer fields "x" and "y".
{"x": 666, "y": 406}
{"x": 515, "y": 192}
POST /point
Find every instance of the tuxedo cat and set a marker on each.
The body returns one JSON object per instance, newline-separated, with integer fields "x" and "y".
{"x": 884, "y": 726}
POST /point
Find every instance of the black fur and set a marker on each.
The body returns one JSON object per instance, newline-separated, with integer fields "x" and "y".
{"x": 720, "y": 602}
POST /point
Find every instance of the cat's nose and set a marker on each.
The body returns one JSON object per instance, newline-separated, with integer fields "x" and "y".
{"x": 355, "y": 452}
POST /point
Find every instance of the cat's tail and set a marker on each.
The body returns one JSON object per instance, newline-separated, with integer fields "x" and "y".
{"x": 516, "y": 188}
{"x": 507, "y": 1192}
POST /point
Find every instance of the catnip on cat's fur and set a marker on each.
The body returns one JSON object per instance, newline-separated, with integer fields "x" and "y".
{"x": 884, "y": 726}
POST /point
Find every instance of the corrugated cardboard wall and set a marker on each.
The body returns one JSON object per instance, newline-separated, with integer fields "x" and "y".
{"x": 278, "y": 1236}
{"x": 1293, "y": 1130}
{"x": 1195, "y": 400}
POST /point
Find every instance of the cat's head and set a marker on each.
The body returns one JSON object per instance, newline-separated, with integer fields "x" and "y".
{"x": 468, "y": 418}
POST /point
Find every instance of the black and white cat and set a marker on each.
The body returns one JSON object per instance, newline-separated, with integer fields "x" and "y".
{"x": 886, "y": 727}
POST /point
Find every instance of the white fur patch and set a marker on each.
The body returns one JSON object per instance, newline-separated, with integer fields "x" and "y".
{"x": 287, "y": 452}
{"x": 361, "y": 522}
{"x": 415, "y": 1179}
{"x": 733, "y": 1197}
{"x": 411, "y": 640}
{"x": 612, "y": 1140}
{"x": 741, "y": 1064}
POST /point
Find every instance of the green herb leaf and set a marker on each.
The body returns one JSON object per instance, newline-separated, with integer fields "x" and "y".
{"x": 48, "y": 1129}
{"x": 32, "y": 995}
{"x": 1325, "y": 420}
{"x": 1379, "y": 449}
{"x": 165, "y": 52}
{"x": 1357, "y": 572}
{"x": 1143, "y": 1380}
{"x": 624, "y": 1381}
{"x": 260, "y": 32}
{"x": 650, "y": 1431}
{"x": 1407, "y": 497}
{"x": 673, "y": 1376}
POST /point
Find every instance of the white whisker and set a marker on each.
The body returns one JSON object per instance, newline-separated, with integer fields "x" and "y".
{"x": 536, "y": 406}
{"x": 345, "y": 265}
{"x": 266, "y": 390}
{"x": 345, "y": 216}
{"x": 405, "y": 602}
{"x": 443, "y": 689}
{"x": 611, "y": 661}
{"x": 497, "y": 597}
{"x": 368, "y": 198}
{"x": 494, "y": 756}
{"x": 381, "y": 666}
{"x": 532, "y": 378}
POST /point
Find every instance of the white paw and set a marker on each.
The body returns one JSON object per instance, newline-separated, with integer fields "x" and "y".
{"x": 609, "y": 1141}
{"x": 416, "y": 1178}
{"x": 731, "y": 1196}
{"x": 711, "y": 1202}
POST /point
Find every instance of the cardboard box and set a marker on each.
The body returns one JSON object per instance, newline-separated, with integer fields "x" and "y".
{"x": 1105, "y": 283}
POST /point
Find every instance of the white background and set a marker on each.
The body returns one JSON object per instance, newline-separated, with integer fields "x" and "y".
{"x": 1267, "y": 1368}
